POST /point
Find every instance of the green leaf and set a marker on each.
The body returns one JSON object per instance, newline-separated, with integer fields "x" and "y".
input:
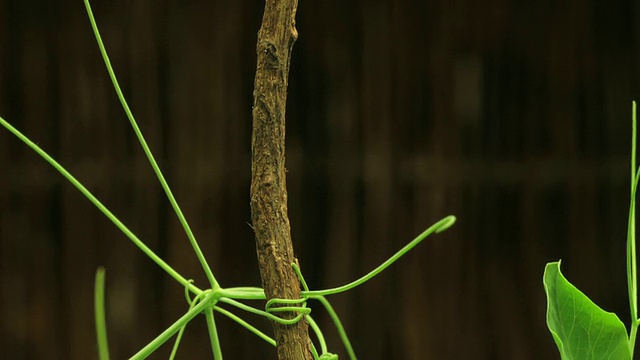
{"x": 580, "y": 328}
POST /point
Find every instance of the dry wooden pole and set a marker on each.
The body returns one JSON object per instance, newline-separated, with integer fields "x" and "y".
{"x": 268, "y": 180}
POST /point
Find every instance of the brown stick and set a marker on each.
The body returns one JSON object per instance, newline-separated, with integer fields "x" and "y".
{"x": 268, "y": 180}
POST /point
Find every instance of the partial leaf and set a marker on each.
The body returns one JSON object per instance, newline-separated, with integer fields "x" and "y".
{"x": 580, "y": 328}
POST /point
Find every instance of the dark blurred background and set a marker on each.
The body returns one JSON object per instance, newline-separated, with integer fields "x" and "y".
{"x": 513, "y": 115}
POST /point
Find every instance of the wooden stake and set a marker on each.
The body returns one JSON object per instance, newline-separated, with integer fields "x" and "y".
{"x": 268, "y": 179}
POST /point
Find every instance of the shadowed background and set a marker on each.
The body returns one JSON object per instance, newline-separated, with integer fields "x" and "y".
{"x": 514, "y": 116}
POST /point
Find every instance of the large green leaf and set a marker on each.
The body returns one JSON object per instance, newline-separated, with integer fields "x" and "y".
{"x": 580, "y": 328}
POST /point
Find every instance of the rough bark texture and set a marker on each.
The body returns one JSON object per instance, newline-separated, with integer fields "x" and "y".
{"x": 268, "y": 180}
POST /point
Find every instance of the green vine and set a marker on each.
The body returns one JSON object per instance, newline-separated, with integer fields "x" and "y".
{"x": 208, "y": 301}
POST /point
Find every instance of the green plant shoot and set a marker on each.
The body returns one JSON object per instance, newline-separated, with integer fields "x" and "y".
{"x": 580, "y": 328}
{"x": 215, "y": 299}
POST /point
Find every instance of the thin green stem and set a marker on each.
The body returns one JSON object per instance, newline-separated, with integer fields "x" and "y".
{"x": 147, "y": 151}
{"x": 632, "y": 271}
{"x": 101, "y": 323}
{"x": 632, "y": 229}
{"x": 246, "y": 325}
{"x": 336, "y": 320}
{"x": 314, "y": 352}
{"x": 176, "y": 344}
{"x": 632, "y": 275}
{"x": 319, "y": 335}
{"x": 334, "y": 316}
{"x": 125, "y": 230}
{"x": 213, "y": 334}
{"x": 243, "y": 293}
{"x": 440, "y": 226}
{"x": 632, "y": 336}
{"x": 175, "y": 327}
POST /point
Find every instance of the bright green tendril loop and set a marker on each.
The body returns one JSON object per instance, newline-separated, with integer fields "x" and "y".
{"x": 186, "y": 291}
{"x": 266, "y": 314}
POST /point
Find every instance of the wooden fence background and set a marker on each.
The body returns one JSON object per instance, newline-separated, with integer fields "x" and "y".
{"x": 512, "y": 115}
